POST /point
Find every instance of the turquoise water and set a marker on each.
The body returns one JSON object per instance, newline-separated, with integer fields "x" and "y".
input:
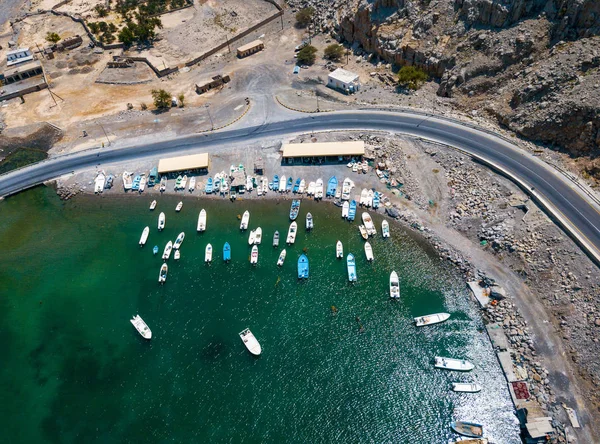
{"x": 75, "y": 370}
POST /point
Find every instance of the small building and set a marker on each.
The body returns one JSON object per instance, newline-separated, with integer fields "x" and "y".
{"x": 250, "y": 48}
{"x": 215, "y": 82}
{"x": 69, "y": 43}
{"x": 193, "y": 162}
{"x": 22, "y": 72}
{"x": 332, "y": 151}
{"x": 343, "y": 80}
{"x": 19, "y": 55}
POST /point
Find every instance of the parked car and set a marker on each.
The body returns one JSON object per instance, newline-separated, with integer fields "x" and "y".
{"x": 296, "y": 69}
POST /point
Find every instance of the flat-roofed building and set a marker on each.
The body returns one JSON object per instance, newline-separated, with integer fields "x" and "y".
{"x": 21, "y": 72}
{"x": 193, "y": 162}
{"x": 343, "y": 80}
{"x": 215, "y": 82}
{"x": 326, "y": 150}
{"x": 250, "y": 48}
{"x": 19, "y": 55}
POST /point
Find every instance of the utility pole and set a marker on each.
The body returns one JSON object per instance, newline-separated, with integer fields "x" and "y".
{"x": 281, "y": 17}
{"x": 317, "y": 96}
{"x": 347, "y": 56}
{"x": 105, "y": 135}
{"x": 212, "y": 125}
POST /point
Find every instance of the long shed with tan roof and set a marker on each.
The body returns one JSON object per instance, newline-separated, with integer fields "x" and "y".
{"x": 250, "y": 48}
{"x": 182, "y": 163}
{"x": 324, "y": 149}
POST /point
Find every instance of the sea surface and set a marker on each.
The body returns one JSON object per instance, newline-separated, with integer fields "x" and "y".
{"x": 74, "y": 370}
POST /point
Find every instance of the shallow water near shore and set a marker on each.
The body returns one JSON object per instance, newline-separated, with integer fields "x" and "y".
{"x": 75, "y": 370}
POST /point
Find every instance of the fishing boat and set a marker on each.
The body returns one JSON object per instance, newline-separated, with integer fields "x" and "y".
{"x": 351, "y": 265}
{"x": 363, "y": 232}
{"x": 295, "y": 208}
{"x": 276, "y": 239}
{"x": 275, "y": 182}
{"x": 226, "y": 252}
{"x": 303, "y": 267}
{"x": 217, "y": 183}
{"x": 364, "y": 195}
{"x": 309, "y": 222}
{"x": 465, "y": 428}
{"x": 265, "y": 185}
{"x": 431, "y": 319}
{"x": 155, "y": 250}
{"x": 257, "y": 236}
{"x": 352, "y": 210}
{"x": 192, "y": 186}
{"x": 385, "y": 228}
{"x": 99, "y": 182}
{"x": 369, "y": 225}
{"x": 370, "y": 196}
{"x": 296, "y": 186}
{"x": 153, "y": 205}
{"x": 135, "y": 186}
{"x": 282, "y": 183}
{"x": 184, "y": 182}
{"x": 291, "y": 237}
{"x": 281, "y": 259}
{"x": 394, "y": 285}
{"x": 345, "y": 209}
{"x": 177, "y": 255}
{"x": 127, "y": 180}
{"x": 245, "y": 220}
{"x": 319, "y": 189}
{"x": 349, "y": 164}
{"x": 311, "y": 188}
{"x": 142, "y": 186}
{"x": 369, "y": 251}
{"x": 109, "y": 182}
{"x": 251, "y": 237}
{"x": 302, "y": 187}
{"x": 141, "y": 327}
{"x": 178, "y": 182}
{"x": 355, "y": 167}
{"x": 179, "y": 241}
{"x": 162, "y": 274}
{"x": 339, "y": 250}
{"x": 376, "y": 200}
{"x": 144, "y": 237}
{"x": 179, "y": 207}
{"x": 208, "y": 188}
{"x": 365, "y": 167}
{"x": 250, "y": 342}
{"x": 346, "y": 188}
{"x": 201, "y": 226}
{"x": 254, "y": 255}
{"x": 465, "y": 387}
{"x": 163, "y": 184}
{"x": 167, "y": 250}
{"x": 453, "y": 364}
{"x": 208, "y": 253}
{"x": 259, "y": 190}
{"x": 331, "y": 186}
{"x": 161, "y": 221}
{"x": 288, "y": 187}
{"x": 471, "y": 441}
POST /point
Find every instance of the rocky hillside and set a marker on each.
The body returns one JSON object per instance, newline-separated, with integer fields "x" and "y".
{"x": 531, "y": 64}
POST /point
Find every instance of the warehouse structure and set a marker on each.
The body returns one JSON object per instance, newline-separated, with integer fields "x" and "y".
{"x": 194, "y": 162}
{"x": 250, "y": 48}
{"x": 325, "y": 151}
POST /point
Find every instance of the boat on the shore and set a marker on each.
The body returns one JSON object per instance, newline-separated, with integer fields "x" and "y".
{"x": 254, "y": 255}
{"x": 179, "y": 206}
{"x": 345, "y": 209}
{"x": 192, "y": 186}
{"x": 296, "y": 186}
{"x": 370, "y": 196}
{"x": 363, "y": 232}
{"x": 352, "y": 210}
{"x": 245, "y": 220}
{"x": 385, "y": 228}
{"x": 303, "y": 267}
{"x": 465, "y": 387}
{"x": 376, "y": 200}
{"x": 184, "y": 182}
{"x": 208, "y": 253}
{"x": 155, "y": 250}
{"x": 201, "y": 226}
{"x": 265, "y": 185}
{"x": 177, "y": 255}
{"x": 431, "y": 319}
{"x": 291, "y": 237}
{"x": 153, "y": 205}
{"x": 369, "y": 251}
{"x": 302, "y": 187}
{"x": 249, "y": 183}
{"x": 319, "y": 189}
{"x": 127, "y": 180}
{"x": 226, "y": 252}
{"x": 281, "y": 259}
{"x": 162, "y": 274}
{"x": 311, "y": 189}
{"x": 167, "y": 250}
{"x": 394, "y": 285}
{"x": 346, "y": 188}
{"x": 276, "y": 239}
{"x": 364, "y": 195}
{"x": 351, "y": 265}
{"x": 163, "y": 184}
{"x": 178, "y": 182}
{"x": 339, "y": 250}
{"x": 142, "y": 186}
{"x": 275, "y": 182}
{"x": 208, "y": 188}
{"x": 331, "y": 186}
{"x": 135, "y": 186}
{"x": 355, "y": 167}
{"x": 365, "y": 167}
{"x": 99, "y": 182}
{"x": 369, "y": 225}
{"x": 289, "y": 185}
{"x": 252, "y": 237}
{"x": 250, "y": 342}
{"x": 141, "y": 327}
{"x": 179, "y": 241}
{"x": 453, "y": 364}
{"x": 144, "y": 236}
{"x": 338, "y": 194}
{"x": 282, "y": 183}
{"x": 294, "y": 209}
{"x": 161, "y": 221}
{"x": 466, "y": 428}
{"x": 257, "y": 236}
{"x": 309, "y": 222}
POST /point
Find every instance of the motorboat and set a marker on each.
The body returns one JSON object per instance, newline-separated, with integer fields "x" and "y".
{"x": 254, "y": 255}
{"x": 394, "y": 285}
{"x": 295, "y": 208}
{"x": 178, "y": 182}
{"x": 369, "y": 225}
{"x": 355, "y": 168}
{"x": 352, "y": 210}
{"x": 349, "y": 164}
{"x": 184, "y": 182}
{"x": 339, "y": 250}
{"x": 365, "y": 167}
{"x": 167, "y": 250}
{"x": 153, "y": 205}
{"x": 155, "y": 250}
{"x": 282, "y": 183}
{"x": 275, "y": 182}
{"x": 346, "y": 189}
{"x": 162, "y": 274}
{"x": 250, "y": 342}
{"x": 208, "y": 188}
{"x": 226, "y": 252}
{"x": 281, "y": 259}
{"x": 141, "y": 327}
{"x": 217, "y": 183}
{"x": 177, "y": 255}
{"x": 142, "y": 186}
{"x": 351, "y": 265}
{"x": 276, "y": 239}
{"x": 303, "y": 267}
{"x": 309, "y": 222}
{"x": 252, "y": 237}
{"x": 179, "y": 206}
{"x": 471, "y": 441}
{"x": 161, "y": 221}
{"x": 265, "y": 185}
{"x": 370, "y": 196}
{"x": 289, "y": 184}
{"x": 363, "y": 232}
{"x": 109, "y": 182}
{"x": 127, "y": 180}
{"x": 135, "y": 186}
{"x": 465, "y": 387}
{"x": 179, "y": 241}
{"x": 431, "y": 319}
{"x": 291, "y": 237}
{"x": 245, "y": 220}
{"x": 208, "y": 253}
{"x": 319, "y": 189}
{"x": 99, "y": 182}
{"x": 311, "y": 188}
{"x": 453, "y": 364}
{"x": 201, "y": 221}
{"x": 345, "y": 209}
{"x": 376, "y": 200}
{"x": 144, "y": 237}
{"x": 364, "y": 195}
{"x": 338, "y": 194}
{"x": 331, "y": 186}
{"x": 249, "y": 183}
{"x": 385, "y": 228}
{"x": 192, "y": 185}
{"x": 163, "y": 184}
{"x": 302, "y": 187}
{"x": 224, "y": 186}
{"x": 296, "y": 186}
{"x": 465, "y": 428}
{"x": 257, "y": 236}
{"x": 369, "y": 251}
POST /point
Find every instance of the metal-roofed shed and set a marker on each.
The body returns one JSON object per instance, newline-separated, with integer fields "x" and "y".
{"x": 181, "y": 163}
{"x": 324, "y": 149}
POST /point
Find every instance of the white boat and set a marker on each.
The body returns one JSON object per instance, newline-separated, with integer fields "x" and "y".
{"x": 281, "y": 259}
{"x": 453, "y": 364}
{"x": 144, "y": 237}
{"x": 369, "y": 225}
{"x": 245, "y": 220}
{"x": 339, "y": 250}
{"x": 385, "y": 228}
{"x": 365, "y": 166}
{"x": 143, "y": 181}
{"x": 167, "y": 252}
{"x": 201, "y": 221}
{"x": 369, "y": 251}
{"x": 163, "y": 184}
{"x": 127, "y": 180}
{"x": 319, "y": 189}
{"x": 363, "y": 232}
{"x": 311, "y": 188}
{"x": 99, "y": 182}
{"x": 309, "y": 222}
{"x": 350, "y": 164}
{"x": 282, "y": 182}
{"x": 254, "y": 255}
{"x": 394, "y": 285}
{"x": 208, "y": 253}
{"x": 338, "y": 194}
{"x": 431, "y": 319}
{"x": 153, "y": 205}
{"x": 355, "y": 168}
{"x": 259, "y": 190}
{"x": 345, "y": 209}
{"x": 162, "y": 274}
{"x": 224, "y": 186}
{"x": 192, "y": 186}
{"x": 302, "y": 187}
{"x": 346, "y": 189}
{"x": 249, "y": 183}
{"x": 471, "y": 441}
{"x": 252, "y": 237}
{"x": 370, "y": 195}
{"x": 258, "y": 236}
{"x": 465, "y": 388}
{"x": 364, "y": 195}
{"x": 161, "y": 221}
{"x": 250, "y": 342}
{"x": 179, "y": 207}
{"x": 291, "y": 237}
{"x": 141, "y": 327}
{"x": 265, "y": 185}
{"x": 184, "y": 182}
{"x": 179, "y": 241}
{"x": 177, "y": 255}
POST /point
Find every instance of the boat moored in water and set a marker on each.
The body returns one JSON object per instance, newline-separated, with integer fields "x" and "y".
{"x": 254, "y": 255}
{"x": 167, "y": 251}
{"x": 276, "y": 239}
{"x": 291, "y": 237}
{"x": 226, "y": 252}
{"x": 345, "y": 209}
{"x": 385, "y": 228}
{"x": 369, "y": 251}
{"x": 351, "y": 265}
{"x": 303, "y": 267}
{"x": 453, "y": 364}
{"x": 465, "y": 387}
{"x": 208, "y": 253}
{"x": 141, "y": 327}
{"x": 331, "y": 186}
{"x": 245, "y": 220}
{"x": 162, "y": 274}
{"x": 153, "y": 205}
{"x": 201, "y": 221}
{"x": 161, "y": 221}
{"x": 281, "y": 259}
{"x": 155, "y": 250}
{"x": 363, "y": 232}
{"x": 257, "y": 236}
{"x": 179, "y": 241}
{"x": 179, "y": 206}
{"x": 376, "y": 200}
{"x": 466, "y": 428}
{"x": 177, "y": 255}
{"x": 250, "y": 342}
{"x": 252, "y": 237}
{"x": 144, "y": 236}
{"x": 471, "y": 441}
{"x": 369, "y": 225}
{"x": 431, "y": 319}
{"x": 394, "y": 285}
{"x": 339, "y": 250}
{"x": 309, "y": 222}
{"x": 352, "y": 210}
{"x": 294, "y": 209}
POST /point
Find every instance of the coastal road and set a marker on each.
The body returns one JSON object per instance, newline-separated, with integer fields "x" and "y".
{"x": 570, "y": 207}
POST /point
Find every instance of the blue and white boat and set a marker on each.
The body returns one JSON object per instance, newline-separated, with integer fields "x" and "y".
{"x": 226, "y": 252}
{"x": 351, "y": 264}
{"x": 208, "y": 189}
{"x": 303, "y": 267}
{"x": 155, "y": 250}
{"x": 296, "y": 186}
{"x": 352, "y": 210}
{"x": 331, "y": 186}
{"x": 376, "y": 199}
{"x": 276, "y": 182}
{"x": 136, "y": 182}
{"x": 288, "y": 186}
{"x": 294, "y": 209}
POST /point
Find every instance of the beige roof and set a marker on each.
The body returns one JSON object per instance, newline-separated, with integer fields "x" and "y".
{"x": 192, "y": 162}
{"x": 356, "y": 148}
{"x": 344, "y": 76}
{"x": 250, "y": 45}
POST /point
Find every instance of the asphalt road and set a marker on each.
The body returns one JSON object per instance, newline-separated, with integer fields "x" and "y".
{"x": 576, "y": 212}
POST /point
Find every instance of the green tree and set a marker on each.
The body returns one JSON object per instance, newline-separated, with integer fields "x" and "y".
{"x": 181, "y": 99}
{"x": 52, "y": 37}
{"x": 101, "y": 11}
{"x": 411, "y": 77}
{"x": 307, "y": 55}
{"x": 304, "y": 16}
{"x": 162, "y": 99}
{"x": 333, "y": 52}
{"x": 126, "y": 36}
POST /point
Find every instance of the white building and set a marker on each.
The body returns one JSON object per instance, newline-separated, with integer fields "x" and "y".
{"x": 18, "y": 55}
{"x": 343, "y": 80}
